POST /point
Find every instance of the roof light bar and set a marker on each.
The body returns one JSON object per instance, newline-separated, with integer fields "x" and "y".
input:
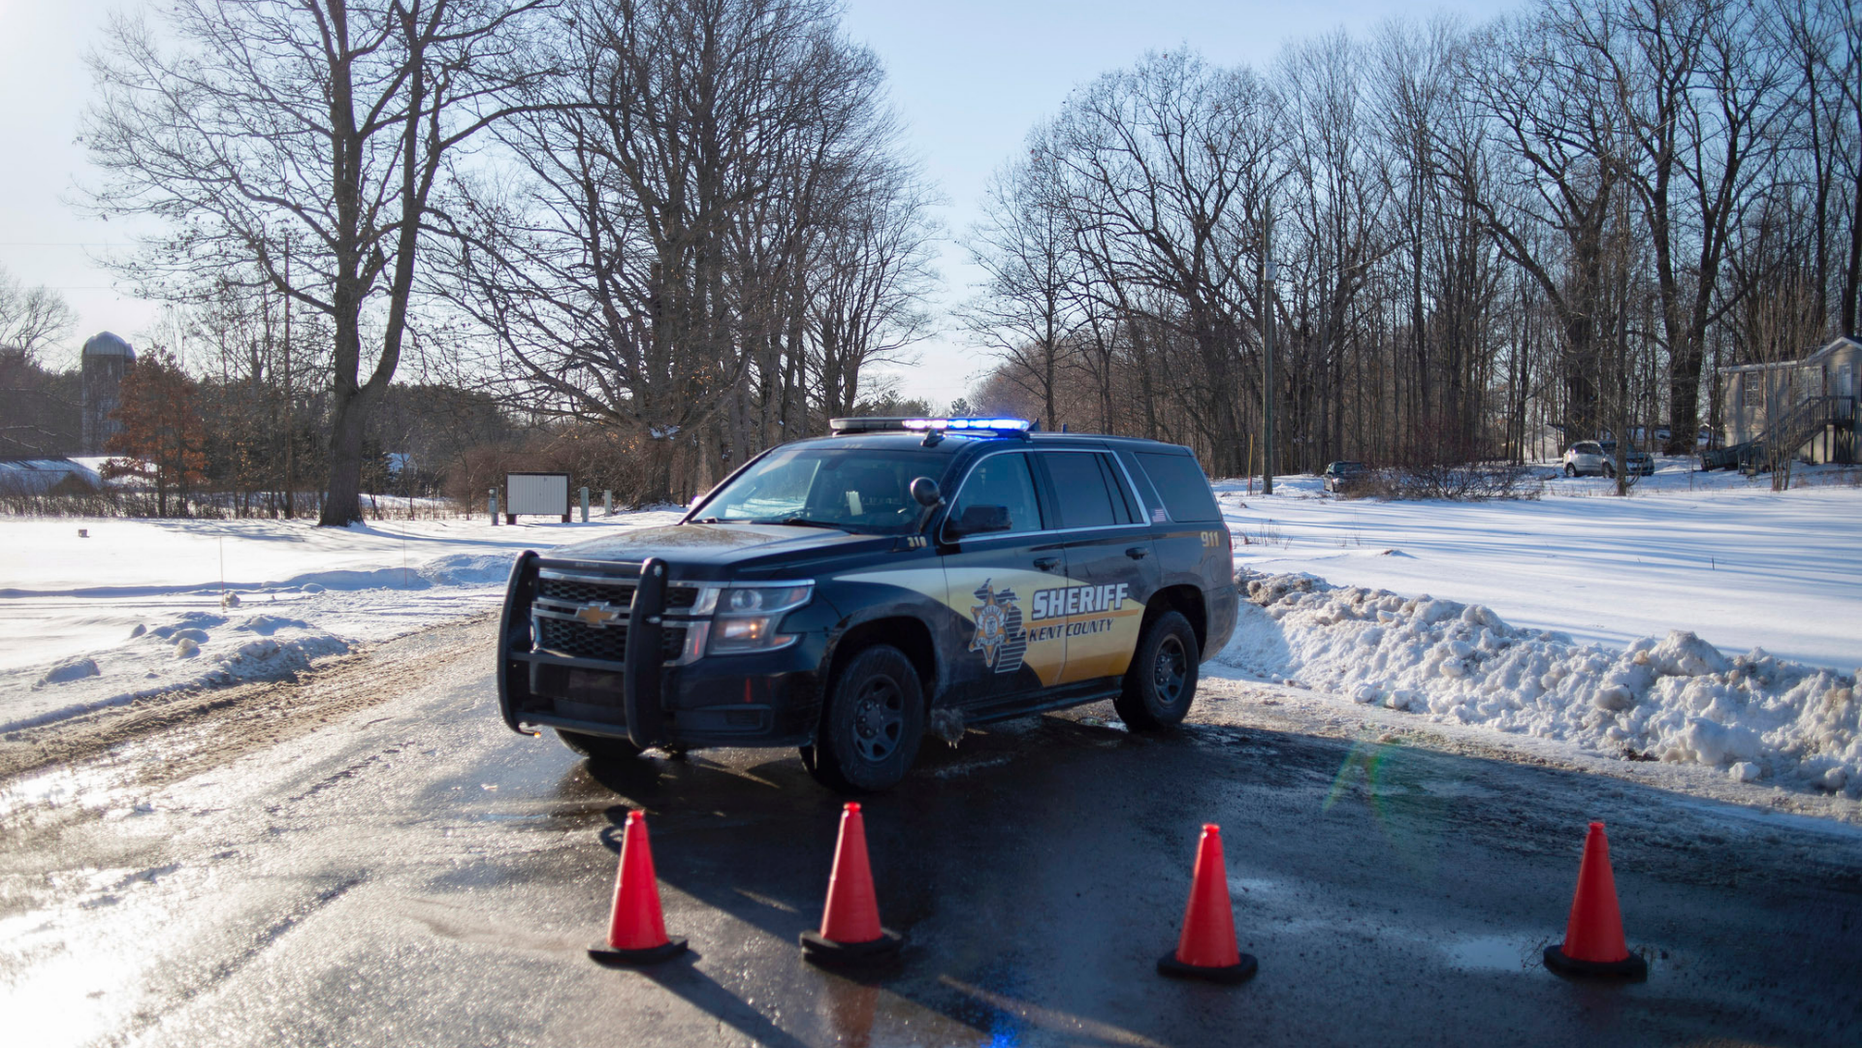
{"x": 1000, "y": 425}
{"x": 972, "y": 426}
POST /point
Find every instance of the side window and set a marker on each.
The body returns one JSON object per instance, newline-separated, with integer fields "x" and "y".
{"x": 1147, "y": 495}
{"x": 1084, "y": 491}
{"x": 1122, "y": 498}
{"x": 1002, "y": 480}
{"x": 1182, "y": 486}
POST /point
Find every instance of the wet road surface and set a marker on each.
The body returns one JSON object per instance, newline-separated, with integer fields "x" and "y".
{"x": 413, "y": 873}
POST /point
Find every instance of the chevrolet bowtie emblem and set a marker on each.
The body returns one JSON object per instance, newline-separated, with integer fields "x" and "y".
{"x": 597, "y": 615}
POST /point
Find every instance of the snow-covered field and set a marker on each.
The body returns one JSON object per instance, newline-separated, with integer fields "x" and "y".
{"x": 142, "y": 606}
{"x": 1704, "y": 620}
{"x": 1714, "y": 553}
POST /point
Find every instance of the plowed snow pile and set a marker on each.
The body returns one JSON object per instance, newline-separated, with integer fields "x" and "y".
{"x": 127, "y": 609}
{"x": 1673, "y": 699}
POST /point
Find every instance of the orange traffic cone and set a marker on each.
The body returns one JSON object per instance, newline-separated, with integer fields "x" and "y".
{"x": 1594, "y": 943}
{"x": 850, "y": 933}
{"x": 1206, "y": 949}
{"x": 637, "y": 932}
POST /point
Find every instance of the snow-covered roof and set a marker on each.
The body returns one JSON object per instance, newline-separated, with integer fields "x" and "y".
{"x": 37, "y": 476}
{"x": 1812, "y": 360}
{"x": 108, "y": 344}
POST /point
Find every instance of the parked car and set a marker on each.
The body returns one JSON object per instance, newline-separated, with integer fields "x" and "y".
{"x": 1597, "y": 458}
{"x": 1644, "y": 435}
{"x": 1341, "y": 477}
{"x": 847, "y": 594}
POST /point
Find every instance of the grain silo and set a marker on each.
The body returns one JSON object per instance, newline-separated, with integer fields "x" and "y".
{"x": 106, "y": 358}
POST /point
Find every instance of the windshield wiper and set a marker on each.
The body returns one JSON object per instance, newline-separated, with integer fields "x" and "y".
{"x": 803, "y": 522}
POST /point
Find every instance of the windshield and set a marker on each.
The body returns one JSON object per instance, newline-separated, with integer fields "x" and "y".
{"x": 856, "y": 489}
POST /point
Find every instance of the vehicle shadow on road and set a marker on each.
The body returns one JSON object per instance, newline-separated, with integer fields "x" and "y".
{"x": 1041, "y": 868}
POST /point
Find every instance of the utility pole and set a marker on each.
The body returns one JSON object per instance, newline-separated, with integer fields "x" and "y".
{"x": 1268, "y": 274}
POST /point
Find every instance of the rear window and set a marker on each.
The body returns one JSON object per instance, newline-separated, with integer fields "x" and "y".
{"x": 1181, "y": 484}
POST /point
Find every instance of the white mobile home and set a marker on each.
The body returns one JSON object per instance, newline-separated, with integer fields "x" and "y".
{"x": 1805, "y": 407}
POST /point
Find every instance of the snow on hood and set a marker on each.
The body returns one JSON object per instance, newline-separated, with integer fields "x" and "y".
{"x": 1674, "y": 699}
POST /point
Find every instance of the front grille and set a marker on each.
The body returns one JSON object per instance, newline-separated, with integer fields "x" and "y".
{"x": 609, "y": 644}
{"x": 618, "y": 593}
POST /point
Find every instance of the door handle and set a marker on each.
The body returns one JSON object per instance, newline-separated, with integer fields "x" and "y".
{"x": 1138, "y": 552}
{"x": 1047, "y": 563}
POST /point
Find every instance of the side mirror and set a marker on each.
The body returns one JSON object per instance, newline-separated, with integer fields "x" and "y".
{"x": 979, "y": 520}
{"x": 924, "y": 489}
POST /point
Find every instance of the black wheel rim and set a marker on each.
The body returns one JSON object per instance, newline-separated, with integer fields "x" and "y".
{"x": 1170, "y": 671}
{"x": 878, "y": 719}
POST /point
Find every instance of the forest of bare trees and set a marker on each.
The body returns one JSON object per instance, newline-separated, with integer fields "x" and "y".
{"x": 1559, "y": 223}
{"x": 706, "y": 234}
{"x": 678, "y": 230}
{"x": 408, "y": 244}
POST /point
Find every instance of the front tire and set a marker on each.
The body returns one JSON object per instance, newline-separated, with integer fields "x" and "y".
{"x": 1570, "y": 470}
{"x": 1161, "y": 683}
{"x": 871, "y": 725}
{"x": 599, "y": 748}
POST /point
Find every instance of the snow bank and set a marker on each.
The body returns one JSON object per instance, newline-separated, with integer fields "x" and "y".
{"x": 217, "y": 650}
{"x": 1732, "y": 561}
{"x": 134, "y": 608}
{"x": 1673, "y": 699}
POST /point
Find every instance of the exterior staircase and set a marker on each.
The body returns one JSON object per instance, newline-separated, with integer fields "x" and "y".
{"x": 1789, "y": 432}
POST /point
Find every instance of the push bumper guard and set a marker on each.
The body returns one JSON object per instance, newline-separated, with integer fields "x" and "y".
{"x": 641, "y": 681}
{"x": 514, "y": 632}
{"x": 638, "y": 688}
{"x": 646, "y": 717}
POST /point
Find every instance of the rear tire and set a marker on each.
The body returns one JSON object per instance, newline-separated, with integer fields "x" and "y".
{"x": 1609, "y": 471}
{"x": 1161, "y": 683}
{"x": 871, "y": 725}
{"x": 601, "y": 749}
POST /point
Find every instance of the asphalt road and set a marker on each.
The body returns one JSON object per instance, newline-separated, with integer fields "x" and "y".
{"x": 408, "y": 872}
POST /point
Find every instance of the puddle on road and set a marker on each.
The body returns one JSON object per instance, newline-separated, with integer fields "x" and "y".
{"x": 1497, "y": 953}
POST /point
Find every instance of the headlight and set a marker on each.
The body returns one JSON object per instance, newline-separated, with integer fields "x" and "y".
{"x": 764, "y": 600}
{"x": 746, "y": 616}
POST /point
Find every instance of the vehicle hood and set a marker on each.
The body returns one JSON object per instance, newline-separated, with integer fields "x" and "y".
{"x": 719, "y": 545}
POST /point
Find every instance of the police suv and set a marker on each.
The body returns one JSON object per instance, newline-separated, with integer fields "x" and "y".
{"x": 846, "y": 593}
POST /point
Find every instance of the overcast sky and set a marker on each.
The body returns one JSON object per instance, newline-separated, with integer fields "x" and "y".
{"x": 969, "y": 76}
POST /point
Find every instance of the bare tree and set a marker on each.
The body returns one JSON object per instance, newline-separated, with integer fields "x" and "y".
{"x": 706, "y": 233}
{"x": 301, "y": 140}
{"x": 1167, "y": 168}
{"x": 872, "y": 271}
{"x": 1702, "y": 112}
{"x": 1562, "y": 149}
{"x": 1822, "y": 41}
{"x": 31, "y": 318}
{"x": 1027, "y": 307}
{"x": 1340, "y": 213}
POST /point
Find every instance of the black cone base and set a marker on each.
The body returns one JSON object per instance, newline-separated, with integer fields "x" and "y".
{"x": 602, "y": 953}
{"x": 1240, "y": 971}
{"x": 1629, "y": 969}
{"x": 826, "y": 951}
